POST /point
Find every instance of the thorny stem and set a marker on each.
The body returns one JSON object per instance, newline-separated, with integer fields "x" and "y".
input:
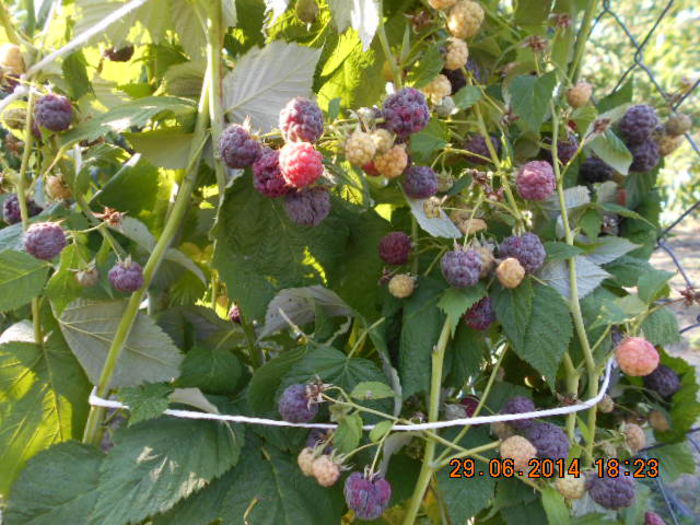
{"x": 92, "y": 427}
{"x": 574, "y": 303}
{"x": 426, "y": 471}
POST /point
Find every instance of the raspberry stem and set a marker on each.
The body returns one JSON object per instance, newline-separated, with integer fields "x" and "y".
{"x": 384, "y": 41}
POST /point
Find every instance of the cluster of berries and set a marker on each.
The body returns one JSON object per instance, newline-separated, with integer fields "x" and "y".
{"x": 637, "y": 127}
{"x": 291, "y": 171}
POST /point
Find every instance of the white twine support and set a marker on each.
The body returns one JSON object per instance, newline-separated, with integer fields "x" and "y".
{"x": 71, "y": 46}
{"x": 480, "y": 420}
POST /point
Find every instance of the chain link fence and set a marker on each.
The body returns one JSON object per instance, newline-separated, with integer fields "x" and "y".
{"x": 670, "y": 499}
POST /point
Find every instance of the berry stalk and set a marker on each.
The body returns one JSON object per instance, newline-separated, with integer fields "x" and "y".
{"x": 426, "y": 471}
{"x": 92, "y": 427}
{"x": 581, "y": 40}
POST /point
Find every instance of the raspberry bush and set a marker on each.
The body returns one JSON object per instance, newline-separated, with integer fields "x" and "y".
{"x": 353, "y": 215}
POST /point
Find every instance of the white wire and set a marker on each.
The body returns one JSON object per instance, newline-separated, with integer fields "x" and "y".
{"x": 480, "y": 420}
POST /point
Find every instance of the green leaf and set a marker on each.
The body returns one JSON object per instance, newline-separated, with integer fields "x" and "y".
{"x": 132, "y": 189}
{"x": 213, "y": 371}
{"x": 166, "y": 147}
{"x": 368, "y": 390}
{"x": 536, "y": 320}
{"x": 159, "y": 462}
{"x": 685, "y": 408}
{"x": 380, "y": 430}
{"x": 652, "y": 285}
{"x": 530, "y": 97}
{"x": 588, "y": 276}
{"x": 618, "y": 98}
{"x": 148, "y": 356}
{"x": 22, "y": 277}
{"x": 454, "y": 302}
{"x": 591, "y": 222}
{"x": 532, "y": 12}
{"x": 561, "y": 250}
{"x": 612, "y": 150}
{"x": 75, "y": 75}
{"x": 661, "y": 328}
{"x": 555, "y": 506}
{"x": 467, "y": 97}
{"x": 624, "y": 212}
{"x": 147, "y": 401}
{"x": 59, "y": 485}
{"x": 427, "y": 68}
{"x": 464, "y": 355}
{"x": 348, "y": 434}
{"x": 465, "y": 497}
{"x": 675, "y": 460}
{"x": 420, "y": 329}
{"x": 43, "y": 401}
{"x": 431, "y": 139}
{"x": 267, "y": 378}
{"x": 134, "y": 113}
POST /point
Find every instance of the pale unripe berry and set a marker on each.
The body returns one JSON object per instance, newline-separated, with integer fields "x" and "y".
{"x": 634, "y": 437}
{"x": 488, "y": 261}
{"x": 359, "y": 148}
{"x": 520, "y": 450}
{"x": 402, "y": 285}
{"x": 383, "y": 140}
{"x": 457, "y": 53}
{"x": 305, "y": 461}
{"x": 11, "y": 60}
{"x": 57, "y": 188}
{"x": 432, "y": 207}
{"x": 502, "y": 430}
{"x": 464, "y": 19}
{"x": 659, "y": 421}
{"x": 442, "y": 4}
{"x": 668, "y": 144}
{"x": 466, "y": 224}
{"x": 679, "y": 124}
{"x": 637, "y": 356}
{"x": 510, "y": 272}
{"x": 606, "y": 405}
{"x": 325, "y": 470}
{"x": 579, "y": 95}
{"x": 571, "y": 487}
{"x": 392, "y": 163}
{"x": 438, "y": 89}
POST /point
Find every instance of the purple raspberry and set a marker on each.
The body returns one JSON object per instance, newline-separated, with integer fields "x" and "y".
{"x": 309, "y": 206}
{"x": 395, "y": 248}
{"x": 54, "y": 112}
{"x": 318, "y": 437}
{"x": 526, "y": 248}
{"x": 477, "y": 148}
{"x": 549, "y": 440}
{"x": 122, "y": 54}
{"x": 566, "y": 149}
{"x": 301, "y": 120}
{"x": 461, "y": 268}
{"x": 11, "y": 212}
{"x": 295, "y": 406}
{"x": 126, "y": 276}
{"x": 652, "y": 518}
{"x": 638, "y": 124}
{"x": 238, "y": 149}
{"x": 470, "y": 404}
{"x": 611, "y": 493}
{"x": 519, "y": 405}
{"x": 421, "y": 182}
{"x": 45, "y": 240}
{"x": 536, "y": 180}
{"x": 481, "y": 315}
{"x": 664, "y": 381}
{"x": 234, "y": 314}
{"x": 645, "y": 156}
{"x": 369, "y": 498}
{"x": 594, "y": 170}
{"x": 267, "y": 177}
{"x": 406, "y": 112}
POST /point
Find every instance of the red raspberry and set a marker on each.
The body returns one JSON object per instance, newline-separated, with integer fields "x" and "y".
{"x": 45, "y": 240}
{"x": 54, "y": 112}
{"x": 301, "y": 120}
{"x": 267, "y": 176}
{"x": 308, "y": 207}
{"x": 652, "y": 518}
{"x": 126, "y": 276}
{"x": 470, "y": 403}
{"x": 234, "y": 314}
{"x": 371, "y": 170}
{"x": 300, "y": 163}
{"x": 637, "y": 356}
{"x": 536, "y": 180}
{"x": 238, "y": 149}
{"x": 395, "y": 248}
